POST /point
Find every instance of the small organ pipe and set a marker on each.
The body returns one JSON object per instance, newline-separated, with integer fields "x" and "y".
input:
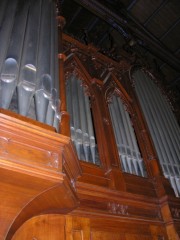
{"x": 118, "y": 135}
{"x": 90, "y": 128}
{"x": 123, "y": 113}
{"x": 51, "y": 107}
{"x": 125, "y": 138}
{"x": 85, "y": 136}
{"x": 81, "y": 121}
{"x": 70, "y": 96}
{"x": 119, "y": 118}
{"x": 115, "y": 124}
{"x": 57, "y": 116}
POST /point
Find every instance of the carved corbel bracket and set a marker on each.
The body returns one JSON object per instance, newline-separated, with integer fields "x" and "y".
{"x": 39, "y": 166}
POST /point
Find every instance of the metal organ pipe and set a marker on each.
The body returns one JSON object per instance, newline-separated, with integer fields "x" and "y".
{"x": 169, "y": 141}
{"x": 28, "y": 59}
{"x": 163, "y": 127}
{"x": 28, "y": 67}
{"x": 82, "y": 131}
{"x": 148, "y": 113}
{"x": 156, "y": 123}
{"x": 118, "y": 135}
{"x": 44, "y": 80}
{"x": 126, "y": 141}
{"x": 9, "y": 66}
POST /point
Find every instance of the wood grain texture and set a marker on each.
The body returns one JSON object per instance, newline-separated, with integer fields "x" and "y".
{"x": 36, "y": 177}
{"x": 44, "y": 227}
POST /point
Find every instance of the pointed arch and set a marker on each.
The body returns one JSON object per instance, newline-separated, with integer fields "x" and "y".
{"x": 74, "y": 66}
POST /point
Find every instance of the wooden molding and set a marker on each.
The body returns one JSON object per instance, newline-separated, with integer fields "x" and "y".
{"x": 36, "y": 165}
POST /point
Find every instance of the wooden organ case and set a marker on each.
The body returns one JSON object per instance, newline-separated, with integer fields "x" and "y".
{"x": 94, "y": 173}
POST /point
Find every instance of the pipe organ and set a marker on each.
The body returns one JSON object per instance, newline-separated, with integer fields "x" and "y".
{"x": 28, "y": 59}
{"x": 118, "y": 190}
{"x": 81, "y": 123}
{"x": 163, "y": 127}
{"x": 129, "y": 153}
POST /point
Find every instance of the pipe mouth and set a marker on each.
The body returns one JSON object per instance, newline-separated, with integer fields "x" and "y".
{"x": 9, "y": 71}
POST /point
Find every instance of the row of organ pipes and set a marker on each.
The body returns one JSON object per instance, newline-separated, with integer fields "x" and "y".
{"x": 29, "y": 85}
{"x": 129, "y": 153}
{"x": 83, "y": 134}
{"x": 81, "y": 124}
{"x": 163, "y": 127}
{"x": 28, "y": 59}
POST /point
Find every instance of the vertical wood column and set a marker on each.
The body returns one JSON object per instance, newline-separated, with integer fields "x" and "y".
{"x": 65, "y": 118}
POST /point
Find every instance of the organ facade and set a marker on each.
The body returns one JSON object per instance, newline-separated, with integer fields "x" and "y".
{"x": 89, "y": 147}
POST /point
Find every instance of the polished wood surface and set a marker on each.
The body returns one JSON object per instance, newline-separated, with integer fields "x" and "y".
{"x": 44, "y": 227}
{"x": 35, "y": 175}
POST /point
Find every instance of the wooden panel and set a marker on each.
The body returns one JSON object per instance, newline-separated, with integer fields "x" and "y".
{"x": 137, "y": 237}
{"x": 139, "y": 185}
{"x": 77, "y": 235}
{"x": 100, "y": 235}
{"x": 34, "y": 177}
{"x": 77, "y": 228}
{"x": 93, "y": 174}
{"x": 44, "y": 227}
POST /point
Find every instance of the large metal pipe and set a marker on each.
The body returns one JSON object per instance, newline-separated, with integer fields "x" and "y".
{"x": 141, "y": 91}
{"x": 28, "y": 70}
{"x": 10, "y": 50}
{"x": 169, "y": 122}
{"x": 172, "y": 147}
{"x": 160, "y": 116}
{"x": 28, "y": 58}
{"x": 7, "y": 21}
{"x": 160, "y": 130}
{"x": 44, "y": 79}
{"x": 165, "y": 135}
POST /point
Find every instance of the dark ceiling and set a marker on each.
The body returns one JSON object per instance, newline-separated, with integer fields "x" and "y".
{"x": 150, "y": 28}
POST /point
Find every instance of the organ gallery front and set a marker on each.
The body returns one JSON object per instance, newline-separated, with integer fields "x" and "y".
{"x": 89, "y": 147}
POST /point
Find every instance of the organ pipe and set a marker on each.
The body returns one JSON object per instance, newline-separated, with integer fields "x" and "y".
{"x": 126, "y": 141}
{"x": 82, "y": 131}
{"x": 28, "y": 59}
{"x": 163, "y": 127}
